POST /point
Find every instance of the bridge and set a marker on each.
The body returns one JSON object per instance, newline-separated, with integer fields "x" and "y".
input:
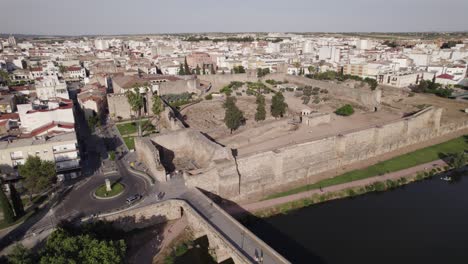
{"x": 228, "y": 239}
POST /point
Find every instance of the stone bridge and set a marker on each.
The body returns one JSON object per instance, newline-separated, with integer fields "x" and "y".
{"x": 227, "y": 237}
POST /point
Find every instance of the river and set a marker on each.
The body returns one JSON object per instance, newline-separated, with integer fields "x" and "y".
{"x": 423, "y": 222}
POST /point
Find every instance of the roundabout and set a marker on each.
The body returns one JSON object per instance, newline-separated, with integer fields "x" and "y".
{"x": 116, "y": 190}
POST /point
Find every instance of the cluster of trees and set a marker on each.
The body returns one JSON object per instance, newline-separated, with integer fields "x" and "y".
{"x": 391, "y": 44}
{"x": 238, "y": 69}
{"x": 274, "y": 82}
{"x": 91, "y": 243}
{"x": 93, "y": 121}
{"x": 262, "y": 72}
{"x": 204, "y": 69}
{"x": 234, "y": 117}
{"x": 184, "y": 69}
{"x": 345, "y": 110}
{"x": 177, "y": 100}
{"x": 432, "y": 87}
{"x": 332, "y": 75}
{"x": 450, "y": 44}
{"x": 234, "y": 85}
{"x": 38, "y": 175}
{"x": 136, "y": 100}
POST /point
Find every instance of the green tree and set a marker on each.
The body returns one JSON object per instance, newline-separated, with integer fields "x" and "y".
{"x": 93, "y": 122}
{"x": 233, "y": 117}
{"x": 20, "y": 255}
{"x": 197, "y": 70}
{"x": 4, "y": 77}
{"x": 136, "y": 100}
{"x": 278, "y": 105}
{"x": 38, "y": 174}
{"x": 8, "y": 215}
{"x": 65, "y": 247}
{"x": 62, "y": 69}
{"x": 458, "y": 160}
{"x": 261, "y": 112}
{"x": 16, "y": 201}
{"x": 157, "y": 108}
{"x": 186, "y": 67}
{"x": 204, "y": 69}
{"x": 181, "y": 69}
{"x": 345, "y": 110}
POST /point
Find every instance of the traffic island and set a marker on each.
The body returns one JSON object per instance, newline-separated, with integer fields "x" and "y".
{"x": 102, "y": 192}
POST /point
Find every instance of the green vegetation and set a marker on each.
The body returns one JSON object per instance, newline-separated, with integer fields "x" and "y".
{"x": 129, "y": 142}
{"x": 116, "y": 189}
{"x": 402, "y": 162}
{"x": 458, "y": 159}
{"x": 193, "y": 252}
{"x": 345, "y": 110}
{"x": 8, "y": 215}
{"x": 38, "y": 174}
{"x": 136, "y": 100}
{"x": 89, "y": 243}
{"x": 332, "y": 75}
{"x": 93, "y": 122}
{"x": 274, "y": 82}
{"x": 111, "y": 155}
{"x": 278, "y": 105}
{"x": 130, "y": 128}
{"x": 16, "y": 201}
{"x": 178, "y": 100}
{"x": 230, "y": 87}
{"x": 261, "y": 112}
{"x": 209, "y": 96}
{"x": 433, "y": 88}
{"x": 238, "y": 69}
{"x": 262, "y": 72}
{"x": 233, "y": 117}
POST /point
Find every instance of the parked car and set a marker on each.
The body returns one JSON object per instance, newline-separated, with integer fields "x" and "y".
{"x": 133, "y": 198}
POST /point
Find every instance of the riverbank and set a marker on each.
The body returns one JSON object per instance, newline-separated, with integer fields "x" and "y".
{"x": 282, "y": 205}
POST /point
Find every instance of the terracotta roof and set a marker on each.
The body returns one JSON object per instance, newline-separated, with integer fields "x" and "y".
{"x": 49, "y": 126}
{"x": 73, "y": 68}
{"x": 445, "y": 76}
{"x": 9, "y": 116}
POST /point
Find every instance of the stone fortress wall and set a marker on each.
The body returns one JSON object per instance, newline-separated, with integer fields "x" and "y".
{"x": 171, "y": 210}
{"x": 269, "y": 170}
{"x": 241, "y": 177}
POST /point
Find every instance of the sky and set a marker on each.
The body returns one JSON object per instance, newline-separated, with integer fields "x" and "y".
{"x": 112, "y": 17}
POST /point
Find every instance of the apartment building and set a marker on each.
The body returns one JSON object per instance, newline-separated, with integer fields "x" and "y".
{"x": 61, "y": 149}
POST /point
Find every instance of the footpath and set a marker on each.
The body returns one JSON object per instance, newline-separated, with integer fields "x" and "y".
{"x": 261, "y": 205}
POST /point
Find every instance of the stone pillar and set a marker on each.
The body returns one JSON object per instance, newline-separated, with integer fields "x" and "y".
{"x": 108, "y": 185}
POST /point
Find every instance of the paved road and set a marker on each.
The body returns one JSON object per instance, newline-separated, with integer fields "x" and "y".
{"x": 246, "y": 242}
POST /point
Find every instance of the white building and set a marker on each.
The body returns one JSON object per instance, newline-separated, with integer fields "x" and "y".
{"x": 40, "y": 118}
{"x": 61, "y": 149}
{"x": 50, "y": 87}
{"x": 101, "y": 44}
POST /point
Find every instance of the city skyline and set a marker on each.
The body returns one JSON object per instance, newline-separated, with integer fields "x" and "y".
{"x": 52, "y": 17}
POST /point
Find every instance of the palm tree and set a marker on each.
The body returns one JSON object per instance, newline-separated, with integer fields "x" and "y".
{"x": 157, "y": 108}
{"x": 136, "y": 100}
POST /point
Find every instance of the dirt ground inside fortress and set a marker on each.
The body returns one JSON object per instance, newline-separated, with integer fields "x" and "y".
{"x": 272, "y": 133}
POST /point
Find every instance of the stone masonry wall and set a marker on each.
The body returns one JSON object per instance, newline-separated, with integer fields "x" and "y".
{"x": 271, "y": 169}
{"x": 149, "y": 154}
{"x": 174, "y": 209}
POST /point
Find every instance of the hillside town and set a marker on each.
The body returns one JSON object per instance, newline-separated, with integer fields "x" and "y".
{"x": 240, "y": 116}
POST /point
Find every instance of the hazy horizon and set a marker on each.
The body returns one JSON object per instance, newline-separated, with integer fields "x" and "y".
{"x": 143, "y": 17}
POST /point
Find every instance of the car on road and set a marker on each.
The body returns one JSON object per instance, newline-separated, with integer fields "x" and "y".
{"x": 134, "y": 198}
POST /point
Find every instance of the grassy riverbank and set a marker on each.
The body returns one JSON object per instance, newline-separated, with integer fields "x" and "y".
{"x": 408, "y": 160}
{"x": 346, "y": 193}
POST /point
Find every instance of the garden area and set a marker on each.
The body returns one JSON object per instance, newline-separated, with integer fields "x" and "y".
{"x": 116, "y": 189}
{"x": 402, "y": 162}
{"x": 129, "y": 130}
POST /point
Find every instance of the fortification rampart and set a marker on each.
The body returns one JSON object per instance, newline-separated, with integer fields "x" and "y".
{"x": 174, "y": 209}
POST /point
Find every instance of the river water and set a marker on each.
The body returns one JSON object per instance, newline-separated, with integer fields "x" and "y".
{"x": 423, "y": 222}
